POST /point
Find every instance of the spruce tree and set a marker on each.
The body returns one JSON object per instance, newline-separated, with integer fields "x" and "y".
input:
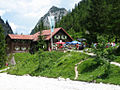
{"x": 114, "y": 23}
{"x": 41, "y": 41}
{"x": 75, "y": 20}
{"x": 2, "y": 48}
{"x": 97, "y": 20}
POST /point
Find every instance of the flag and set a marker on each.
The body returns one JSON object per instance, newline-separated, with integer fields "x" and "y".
{"x": 52, "y": 23}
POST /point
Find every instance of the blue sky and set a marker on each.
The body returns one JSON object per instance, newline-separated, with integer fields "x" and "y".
{"x": 23, "y": 15}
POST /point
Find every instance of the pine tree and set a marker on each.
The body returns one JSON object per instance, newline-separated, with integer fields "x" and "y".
{"x": 41, "y": 42}
{"x": 75, "y": 20}
{"x": 2, "y": 48}
{"x": 114, "y": 15}
{"x": 97, "y": 20}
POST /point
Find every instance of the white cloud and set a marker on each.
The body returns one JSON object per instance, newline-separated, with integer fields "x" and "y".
{"x": 24, "y": 14}
{"x": 73, "y": 2}
{"x": 23, "y": 30}
{"x": 19, "y": 29}
{"x": 32, "y": 14}
{"x": 13, "y": 26}
{"x": 2, "y": 12}
{"x": 27, "y": 6}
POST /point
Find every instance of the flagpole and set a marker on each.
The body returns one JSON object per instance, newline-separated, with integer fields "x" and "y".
{"x": 51, "y": 42}
{"x": 52, "y": 25}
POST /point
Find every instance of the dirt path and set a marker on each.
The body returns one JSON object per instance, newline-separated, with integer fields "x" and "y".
{"x": 76, "y": 71}
{"x": 115, "y": 63}
{"x": 5, "y": 69}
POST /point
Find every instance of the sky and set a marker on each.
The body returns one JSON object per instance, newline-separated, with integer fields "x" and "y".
{"x": 23, "y": 15}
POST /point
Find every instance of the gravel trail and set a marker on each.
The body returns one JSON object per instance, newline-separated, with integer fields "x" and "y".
{"x": 12, "y": 82}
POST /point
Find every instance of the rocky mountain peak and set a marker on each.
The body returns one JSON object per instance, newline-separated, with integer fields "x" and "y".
{"x": 54, "y": 9}
{"x": 58, "y": 13}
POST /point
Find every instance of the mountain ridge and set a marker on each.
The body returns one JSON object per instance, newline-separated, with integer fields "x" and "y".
{"x": 6, "y": 27}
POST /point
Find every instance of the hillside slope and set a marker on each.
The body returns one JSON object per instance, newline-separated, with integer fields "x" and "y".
{"x": 6, "y": 27}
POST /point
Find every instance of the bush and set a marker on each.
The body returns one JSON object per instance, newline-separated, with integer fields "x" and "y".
{"x": 87, "y": 65}
{"x": 113, "y": 76}
{"x": 93, "y": 69}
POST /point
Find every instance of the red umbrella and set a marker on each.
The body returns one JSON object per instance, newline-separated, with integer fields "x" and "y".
{"x": 60, "y": 42}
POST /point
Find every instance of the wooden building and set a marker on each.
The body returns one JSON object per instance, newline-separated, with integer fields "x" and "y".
{"x": 18, "y": 43}
{"x": 23, "y": 43}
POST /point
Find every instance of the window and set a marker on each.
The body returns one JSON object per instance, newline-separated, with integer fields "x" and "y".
{"x": 57, "y": 36}
{"x": 63, "y": 37}
{"x": 23, "y": 48}
{"x": 17, "y": 48}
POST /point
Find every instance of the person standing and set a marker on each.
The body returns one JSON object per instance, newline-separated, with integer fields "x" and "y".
{"x": 77, "y": 46}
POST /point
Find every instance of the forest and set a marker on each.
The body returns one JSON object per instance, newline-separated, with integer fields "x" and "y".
{"x": 91, "y": 18}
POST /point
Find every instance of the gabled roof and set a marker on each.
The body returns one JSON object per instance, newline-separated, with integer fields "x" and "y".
{"x": 26, "y": 37}
{"x": 47, "y": 34}
{"x": 34, "y": 37}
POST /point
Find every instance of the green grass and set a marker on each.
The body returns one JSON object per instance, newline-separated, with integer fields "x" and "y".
{"x": 25, "y": 64}
{"x": 3, "y": 68}
{"x": 21, "y": 57}
{"x": 91, "y": 69}
{"x": 98, "y": 72}
{"x": 117, "y": 59}
{"x": 56, "y": 64}
{"x": 64, "y": 66}
{"x": 113, "y": 77}
{"x": 46, "y": 61}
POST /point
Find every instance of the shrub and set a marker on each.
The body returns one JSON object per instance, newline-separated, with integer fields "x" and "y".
{"x": 113, "y": 76}
{"x": 87, "y": 65}
{"x": 93, "y": 69}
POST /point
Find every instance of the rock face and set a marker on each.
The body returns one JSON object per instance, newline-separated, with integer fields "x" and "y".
{"x": 58, "y": 13}
{"x": 6, "y": 27}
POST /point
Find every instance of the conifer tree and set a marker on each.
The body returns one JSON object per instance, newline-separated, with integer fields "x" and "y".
{"x": 41, "y": 41}
{"x": 2, "y": 48}
{"x": 97, "y": 20}
{"x": 114, "y": 23}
